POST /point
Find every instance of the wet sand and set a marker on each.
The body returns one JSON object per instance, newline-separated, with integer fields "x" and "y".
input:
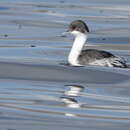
{"x": 38, "y": 91}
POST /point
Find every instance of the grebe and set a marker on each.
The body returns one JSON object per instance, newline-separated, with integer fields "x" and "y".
{"x": 79, "y": 57}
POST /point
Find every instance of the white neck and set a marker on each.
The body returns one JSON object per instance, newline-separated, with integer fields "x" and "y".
{"x": 76, "y": 49}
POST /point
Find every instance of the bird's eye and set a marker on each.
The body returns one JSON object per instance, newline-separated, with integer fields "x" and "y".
{"x": 73, "y": 28}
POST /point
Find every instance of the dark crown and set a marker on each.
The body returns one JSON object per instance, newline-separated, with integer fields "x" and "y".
{"x": 78, "y": 25}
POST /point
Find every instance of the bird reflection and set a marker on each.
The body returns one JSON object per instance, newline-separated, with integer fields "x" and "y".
{"x": 73, "y": 90}
{"x": 70, "y": 95}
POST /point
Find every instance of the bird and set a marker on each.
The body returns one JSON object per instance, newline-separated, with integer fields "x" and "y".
{"x": 80, "y": 57}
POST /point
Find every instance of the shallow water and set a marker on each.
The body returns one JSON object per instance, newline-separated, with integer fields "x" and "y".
{"x": 37, "y": 91}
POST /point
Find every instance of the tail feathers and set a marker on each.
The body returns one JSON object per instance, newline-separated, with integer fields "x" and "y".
{"x": 111, "y": 62}
{"x": 122, "y": 65}
{"x": 119, "y": 62}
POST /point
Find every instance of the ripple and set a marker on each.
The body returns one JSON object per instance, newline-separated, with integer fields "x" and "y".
{"x": 38, "y": 90}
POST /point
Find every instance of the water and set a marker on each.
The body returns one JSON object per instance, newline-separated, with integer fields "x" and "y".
{"x": 37, "y": 91}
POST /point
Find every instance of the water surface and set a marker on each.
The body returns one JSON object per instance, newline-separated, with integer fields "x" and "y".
{"x": 37, "y": 91}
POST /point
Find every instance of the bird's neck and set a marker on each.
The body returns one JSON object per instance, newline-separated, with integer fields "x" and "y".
{"x": 77, "y": 48}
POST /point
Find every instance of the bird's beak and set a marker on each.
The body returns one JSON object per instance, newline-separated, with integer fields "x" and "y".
{"x": 64, "y": 34}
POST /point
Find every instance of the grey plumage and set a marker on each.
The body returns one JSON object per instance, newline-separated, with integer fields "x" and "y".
{"x": 100, "y": 57}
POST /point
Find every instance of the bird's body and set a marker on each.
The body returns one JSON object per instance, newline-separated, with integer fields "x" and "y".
{"x": 101, "y": 58}
{"x": 79, "y": 57}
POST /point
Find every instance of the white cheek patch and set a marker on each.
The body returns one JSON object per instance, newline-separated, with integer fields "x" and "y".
{"x": 75, "y": 32}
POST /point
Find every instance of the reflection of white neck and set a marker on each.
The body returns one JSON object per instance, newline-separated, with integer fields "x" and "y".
{"x": 77, "y": 47}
